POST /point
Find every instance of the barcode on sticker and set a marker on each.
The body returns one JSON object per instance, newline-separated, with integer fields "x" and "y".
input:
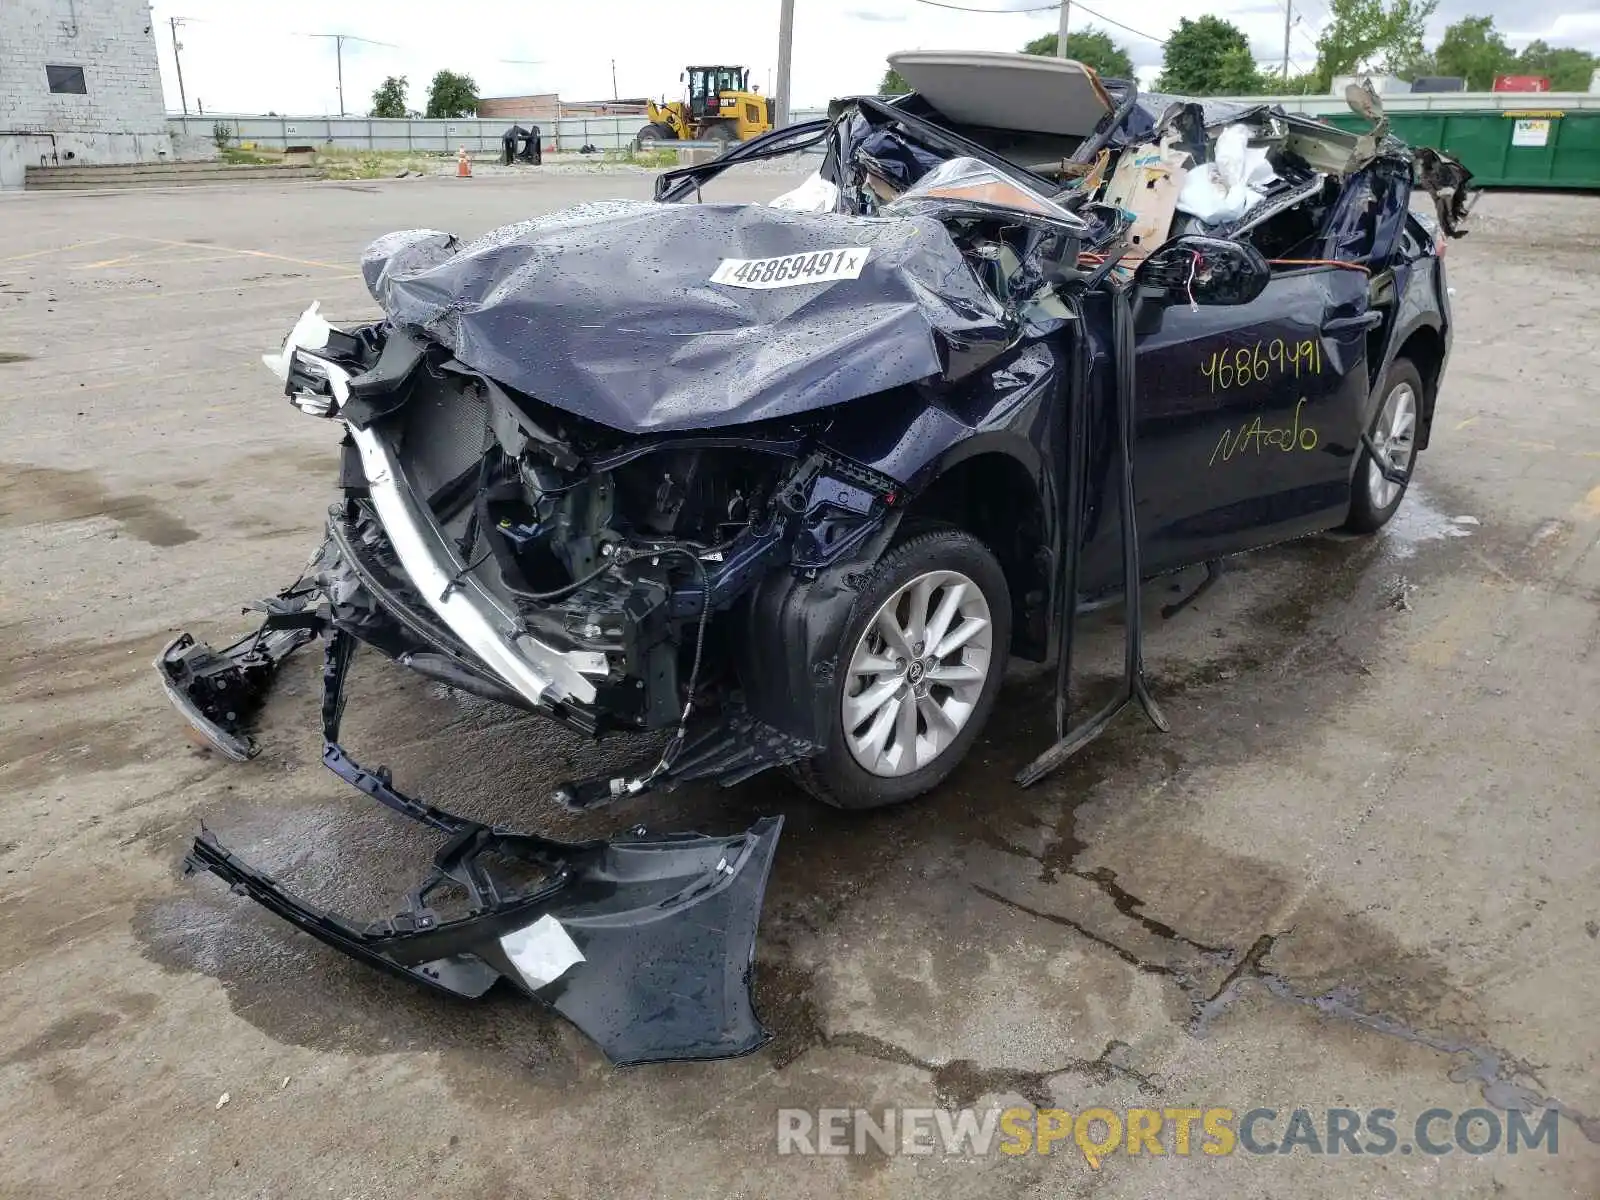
{"x": 792, "y": 270}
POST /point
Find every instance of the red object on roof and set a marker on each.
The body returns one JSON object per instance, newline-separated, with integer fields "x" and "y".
{"x": 1521, "y": 83}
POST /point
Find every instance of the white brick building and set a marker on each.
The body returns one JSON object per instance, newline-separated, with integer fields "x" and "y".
{"x": 78, "y": 84}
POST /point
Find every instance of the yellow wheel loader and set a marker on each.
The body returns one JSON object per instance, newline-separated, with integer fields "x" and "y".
{"x": 720, "y": 108}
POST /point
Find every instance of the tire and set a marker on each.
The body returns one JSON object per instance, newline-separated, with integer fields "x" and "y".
{"x": 654, "y": 132}
{"x": 928, "y": 569}
{"x": 1373, "y": 499}
{"x": 721, "y": 132}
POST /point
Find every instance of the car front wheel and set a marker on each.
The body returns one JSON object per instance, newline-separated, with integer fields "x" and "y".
{"x": 1375, "y": 497}
{"x": 919, "y": 670}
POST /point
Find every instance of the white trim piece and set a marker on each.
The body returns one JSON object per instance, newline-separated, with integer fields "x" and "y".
{"x": 531, "y": 668}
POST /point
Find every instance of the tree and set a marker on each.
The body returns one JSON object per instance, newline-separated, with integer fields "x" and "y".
{"x": 893, "y": 84}
{"x": 1298, "y": 84}
{"x": 1090, "y": 46}
{"x": 452, "y": 95}
{"x": 1209, "y": 57}
{"x": 389, "y": 97}
{"x": 1567, "y": 69}
{"x": 1372, "y": 35}
{"x": 1474, "y": 50}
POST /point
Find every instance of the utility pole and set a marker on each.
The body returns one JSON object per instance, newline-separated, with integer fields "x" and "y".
{"x": 614, "y": 94}
{"x": 1288, "y": 22}
{"x": 178, "y": 62}
{"x": 339, "y": 40}
{"x": 338, "y": 56}
{"x": 780, "y": 97}
{"x": 1061, "y": 30}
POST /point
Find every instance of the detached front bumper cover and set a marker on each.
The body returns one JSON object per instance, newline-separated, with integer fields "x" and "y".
{"x": 644, "y": 942}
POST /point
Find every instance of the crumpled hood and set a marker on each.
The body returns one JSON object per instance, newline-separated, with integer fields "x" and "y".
{"x": 608, "y": 310}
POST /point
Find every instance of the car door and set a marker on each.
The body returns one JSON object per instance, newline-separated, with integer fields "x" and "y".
{"x": 1248, "y": 416}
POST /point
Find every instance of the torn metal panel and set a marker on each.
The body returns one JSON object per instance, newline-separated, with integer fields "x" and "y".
{"x": 1448, "y": 183}
{"x": 614, "y": 311}
{"x": 219, "y": 693}
{"x": 644, "y": 942}
{"x": 656, "y": 933}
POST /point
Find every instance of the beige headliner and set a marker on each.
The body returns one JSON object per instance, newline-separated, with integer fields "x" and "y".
{"x": 1007, "y": 91}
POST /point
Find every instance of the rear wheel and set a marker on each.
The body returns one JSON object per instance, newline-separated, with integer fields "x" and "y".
{"x": 720, "y": 131}
{"x": 1374, "y": 497}
{"x": 655, "y": 132}
{"x": 920, "y": 668}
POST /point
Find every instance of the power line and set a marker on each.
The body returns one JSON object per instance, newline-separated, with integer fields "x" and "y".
{"x": 999, "y": 12}
{"x": 1047, "y": 8}
{"x": 240, "y": 28}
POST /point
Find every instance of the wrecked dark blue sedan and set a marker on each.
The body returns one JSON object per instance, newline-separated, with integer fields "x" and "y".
{"x": 786, "y": 485}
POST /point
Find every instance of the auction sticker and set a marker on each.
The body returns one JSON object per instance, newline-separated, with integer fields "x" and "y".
{"x": 792, "y": 270}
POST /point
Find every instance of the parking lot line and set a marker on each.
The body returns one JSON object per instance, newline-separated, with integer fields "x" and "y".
{"x": 62, "y": 249}
{"x": 302, "y": 262}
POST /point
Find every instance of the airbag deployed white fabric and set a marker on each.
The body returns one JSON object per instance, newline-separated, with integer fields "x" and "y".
{"x": 1223, "y": 189}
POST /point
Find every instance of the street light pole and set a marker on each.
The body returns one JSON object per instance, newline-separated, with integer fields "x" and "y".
{"x": 178, "y": 62}
{"x": 780, "y": 97}
{"x": 1061, "y": 30}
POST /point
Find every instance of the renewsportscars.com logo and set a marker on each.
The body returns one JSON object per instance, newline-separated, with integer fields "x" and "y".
{"x": 1097, "y": 1133}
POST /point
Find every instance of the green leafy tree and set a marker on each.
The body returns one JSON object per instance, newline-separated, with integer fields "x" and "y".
{"x": 1209, "y": 57}
{"x": 389, "y": 97}
{"x": 1090, "y": 46}
{"x": 1306, "y": 84}
{"x": 1425, "y": 64}
{"x": 452, "y": 95}
{"x": 1372, "y": 35}
{"x": 1567, "y": 69}
{"x": 893, "y": 84}
{"x": 1474, "y": 50}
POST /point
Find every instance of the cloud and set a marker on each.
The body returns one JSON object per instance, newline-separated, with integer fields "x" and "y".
{"x": 252, "y": 58}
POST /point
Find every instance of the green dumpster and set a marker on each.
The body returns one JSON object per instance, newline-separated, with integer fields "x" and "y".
{"x": 1529, "y": 147}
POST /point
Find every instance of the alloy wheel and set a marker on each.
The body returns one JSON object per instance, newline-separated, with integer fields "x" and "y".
{"x": 917, "y": 672}
{"x": 1395, "y": 442}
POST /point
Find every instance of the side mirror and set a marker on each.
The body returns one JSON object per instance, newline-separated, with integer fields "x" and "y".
{"x": 1204, "y": 270}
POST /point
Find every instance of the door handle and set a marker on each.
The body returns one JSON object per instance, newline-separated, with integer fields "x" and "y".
{"x": 1370, "y": 319}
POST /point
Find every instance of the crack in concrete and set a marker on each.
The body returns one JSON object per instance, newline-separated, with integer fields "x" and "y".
{"x": 1184, "y": 980}
{"x": 960, "y": 1082}
{"x": 1132, "y": 907}
{"x": 1499, "y": 1074}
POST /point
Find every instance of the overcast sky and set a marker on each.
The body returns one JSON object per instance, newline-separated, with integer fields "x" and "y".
{"x": 240, "y": 57}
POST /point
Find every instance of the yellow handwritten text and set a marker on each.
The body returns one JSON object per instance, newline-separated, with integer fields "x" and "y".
{"x": 1258, "y": 437}
{"x": 1240, "y": 367}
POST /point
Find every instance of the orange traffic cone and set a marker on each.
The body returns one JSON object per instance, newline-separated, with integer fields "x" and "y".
{"x": 463, "y": 165}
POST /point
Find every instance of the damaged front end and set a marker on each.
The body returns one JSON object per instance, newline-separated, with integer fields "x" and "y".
{"x": 644, "y": 942}
{"x": 610, "y": 579}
